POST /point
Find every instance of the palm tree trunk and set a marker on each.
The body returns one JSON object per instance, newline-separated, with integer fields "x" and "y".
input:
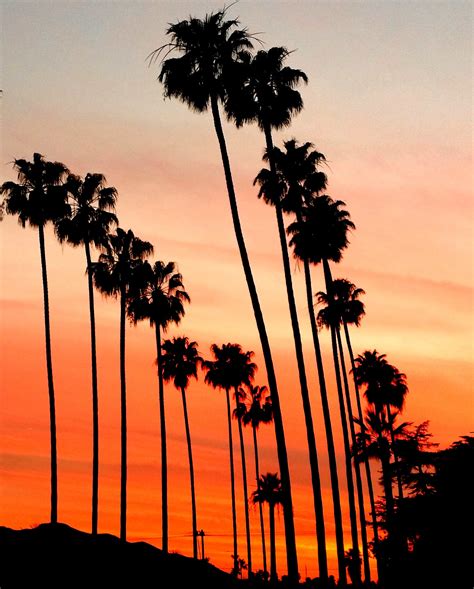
{"x": 345, "y": 432}
{"x": 232, "y": 479}
{"x": 246, "y": 492}
{"x": 360, "y": 493}
{"x": 95, "y": 398}
{"x": 328, "y": 429}
{"x": 292, "y": 559}
{"x": 123, "y": 421}
{"x": 366, "y": 460}
{"x": 260, "y": 506}
{"x": 164, "y": 454}
{"x": 311, "y": 437}
{"x": 191, "y": 473}
{"x": 49, "y": 368}
{"x": 395, "y": 455}
{"x": 273, "y": 567}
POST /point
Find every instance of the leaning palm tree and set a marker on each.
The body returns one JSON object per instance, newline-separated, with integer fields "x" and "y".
{"x": 270, "y": 491}
{"x": 258, "y": 410}
{"x": 208, "y": 50}
{"x": 320, "y": 235}
{"x": 230, "y": 369}
{"x": 160, "y": 300}
{"x": 268, "y": 96}
{"x": 180, "y": 361}
{"x": 38, "y": 198}
{"x": 89, "y": 223}
{"x": 119, "y": 273}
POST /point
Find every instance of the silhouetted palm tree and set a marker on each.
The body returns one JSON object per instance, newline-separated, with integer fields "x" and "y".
{"x": 258, "y": 410}
{"x": 119, "y": 273}
{"x": 230, "y": 369}
{"x": 160, "y": 300}
{"x": 296, "y": 180}
{"x": 268, "y": 96}
{"x": 320, "y": 235}
{"x": 180, "y": 361}
{"x": 88, "y": 224}
{"x": 269, "y": 491}
{"x": 209, "y": 49}
{"x": 38, "y": 198}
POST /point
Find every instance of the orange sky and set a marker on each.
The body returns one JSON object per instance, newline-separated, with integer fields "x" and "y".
{"x": 388, "y": 103}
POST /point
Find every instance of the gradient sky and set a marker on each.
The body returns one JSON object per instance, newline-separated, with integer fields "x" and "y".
{"x": 389, "y": 104}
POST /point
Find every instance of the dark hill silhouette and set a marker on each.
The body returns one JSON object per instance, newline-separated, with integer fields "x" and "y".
{"x": 56, "y": 555}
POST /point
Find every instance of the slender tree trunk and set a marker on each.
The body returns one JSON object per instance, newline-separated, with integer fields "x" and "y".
{"x": 246, "y": 492}
{"x": 260, "y": 506}
{"x": 232, "y": 478}
{"x": 366, "y": 460}
{"x": 95, "y": 398}
{"x": 191, "y": 473}
{"x": 310, "y": 434}
{"x": 273, "y": 566}
{"x": 328, "y": 429}
{"x": 292, "y": 560}
{"x": 360, "y": 493}
{"x": 395, "y": 455}
{"x": 123, "y": 421}
{"x": 164, "y": 453}
{"x": 49, "y": 368}
{"x": 345, "y": 432}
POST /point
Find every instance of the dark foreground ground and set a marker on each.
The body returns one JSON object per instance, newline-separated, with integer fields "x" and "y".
{"x": 61, "y": 557}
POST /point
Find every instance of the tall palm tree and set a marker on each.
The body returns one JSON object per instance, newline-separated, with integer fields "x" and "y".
{"x": 349, "y": 310}
{"x": 209, "y": 49}
{"x": 89, "y": 223}
{"x": 119, "y": 273}
{"x": 38, "y": 198}
{"x": 180, "y": 361}
{"x": 296, "y": 180}
{"x": 258, "y": 410}
{"x": 160, "y": 300}
{"x": 320, "y": 235}
{"x": 230, "y": 369}
{"x": 268, "y": 96}
{"x": 270, "y": 491}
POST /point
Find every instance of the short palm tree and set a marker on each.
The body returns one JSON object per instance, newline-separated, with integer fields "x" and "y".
{"x": 119, "y": 273}
{"x": 258, "y": 410}
{"x": 230, "y": 369}
{"x": 88, "y": 224}
{"x": 269, "y": 491}
{"x": 180, "y": 361}
{"x": 160, "y": 300}
{"x": 38, "y": 198}
{"x": 201, "y": 76}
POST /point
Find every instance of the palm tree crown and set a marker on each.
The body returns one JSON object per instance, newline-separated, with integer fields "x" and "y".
{"x": 180, "y": 361}
{"x": 231, "y": 368}
{"x": 344, "y": 307}
{"x": 258, "y": 407}
{"x": 269, "y": 490}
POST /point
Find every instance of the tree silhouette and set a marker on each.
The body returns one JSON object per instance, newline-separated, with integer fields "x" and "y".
{"x": 180, "y": 361}
{"x": 210, "y": 50}
{"x": 89, "y": 223}
{"x": 269, "y": 491}
{"x": 39, "y": 197}
{"x": 120, "y": 273}
{"x": 160, "y": 300}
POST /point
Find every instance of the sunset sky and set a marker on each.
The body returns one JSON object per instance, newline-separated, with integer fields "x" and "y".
{"x": 389, "y": 104}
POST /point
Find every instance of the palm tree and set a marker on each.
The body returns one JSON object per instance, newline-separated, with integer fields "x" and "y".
{"x": 230, "y": 369}
{"x": 258, "y": 411}
{"x": 38, "y": 198}
{"x": 88, "y": 224}
{"x": 160, "y": 301}
{"x": 320, "y": 235}
{"x": 180, "y": 360}
{"x": 296, "y": 180}
{"x": 119, "y": 273}
{"x": 209, "y": 49}
{"x": 268, "y": 96}
{"x": 270, "y": 491}
{"x": 349, "y": 310}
